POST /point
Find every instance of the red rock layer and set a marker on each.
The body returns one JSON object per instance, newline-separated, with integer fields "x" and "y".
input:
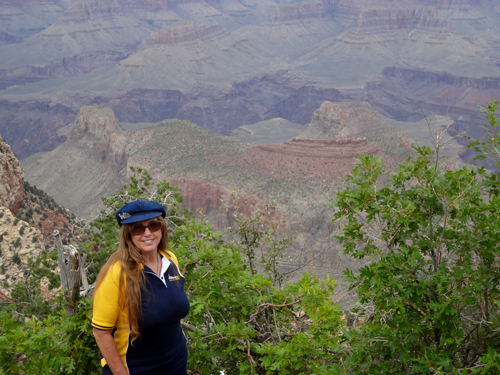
{"x": 208, "y": 198}
{"x": 303, "y": 158}
{"x": 5, "y": 298}
{"x": 11, "y": 179}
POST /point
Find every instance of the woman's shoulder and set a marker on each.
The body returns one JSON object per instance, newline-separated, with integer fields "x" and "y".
{"x": 112, "y": 272}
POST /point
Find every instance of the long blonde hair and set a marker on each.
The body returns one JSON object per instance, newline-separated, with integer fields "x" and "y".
{"x": 131, "y": 274}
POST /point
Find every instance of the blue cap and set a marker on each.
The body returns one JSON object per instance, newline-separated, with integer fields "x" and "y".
{"x": 138, "y": 211}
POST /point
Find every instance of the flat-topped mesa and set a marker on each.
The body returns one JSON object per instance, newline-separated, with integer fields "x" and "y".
{"x": 11, "y": 179}
{"x": 94, "y": 122}
{"x": 375, "y": 25}
{"x": 304, "y": 158}
{"x": 327, "y": 141}
{"x": 182, "y": 32}
{"x": 102, "y": 135}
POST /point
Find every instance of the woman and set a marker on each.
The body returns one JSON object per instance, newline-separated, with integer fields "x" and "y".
{"x": 139, "y": 299}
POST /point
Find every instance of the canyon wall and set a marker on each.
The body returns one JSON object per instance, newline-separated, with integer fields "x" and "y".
{"x": 222, "y": 65}
{"x": 11, "y": 179}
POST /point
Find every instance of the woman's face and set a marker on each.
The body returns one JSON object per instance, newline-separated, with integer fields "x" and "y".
{"x": 146, "y": 242}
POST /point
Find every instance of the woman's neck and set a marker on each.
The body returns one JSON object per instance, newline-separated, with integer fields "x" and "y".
{"x": 150, "y": 258}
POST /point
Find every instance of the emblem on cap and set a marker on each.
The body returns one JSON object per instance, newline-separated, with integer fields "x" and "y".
{"x": 124, "y": 215}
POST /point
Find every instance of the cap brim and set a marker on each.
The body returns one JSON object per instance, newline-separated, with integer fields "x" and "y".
{"x": 141, "y": 217}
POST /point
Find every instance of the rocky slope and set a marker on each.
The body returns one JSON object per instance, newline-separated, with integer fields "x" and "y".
{"x": 18, "y": 242}
{"x": 11, "y": 179}
{"x": 28, "y": 218}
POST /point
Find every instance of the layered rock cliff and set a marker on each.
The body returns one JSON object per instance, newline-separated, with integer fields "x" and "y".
{"x": 287, "y": 12}
{"x": 182, "y": 32}
{"x": 441, "y": 93}
{"x": 95, "y": 159}
{"x": 326, "y": 159}
{"x": 11, "y": 179}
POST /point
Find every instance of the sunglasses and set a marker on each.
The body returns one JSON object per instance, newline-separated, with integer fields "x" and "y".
{"x": 154, "y": 226}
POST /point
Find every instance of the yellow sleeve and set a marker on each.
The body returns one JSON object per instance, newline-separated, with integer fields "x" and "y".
{"x": 106, "y": 307}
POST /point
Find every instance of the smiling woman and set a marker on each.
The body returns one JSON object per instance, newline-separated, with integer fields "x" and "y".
{"x": 140, "y": 300}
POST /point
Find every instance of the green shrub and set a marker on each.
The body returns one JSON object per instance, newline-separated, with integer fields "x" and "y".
{"x": 430, "y": 296}
{"x": 17, "y": 242}
{"x": 16, "y": 259}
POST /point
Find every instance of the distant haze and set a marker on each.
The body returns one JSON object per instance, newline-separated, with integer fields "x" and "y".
{"x": 223, "y": 65}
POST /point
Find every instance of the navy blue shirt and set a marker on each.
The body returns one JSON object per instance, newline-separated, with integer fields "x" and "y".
{"x": 161, "y": 344}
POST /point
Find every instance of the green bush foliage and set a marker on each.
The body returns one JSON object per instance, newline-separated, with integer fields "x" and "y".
{"x": 430, "y": 299}
{"x": 244, "y": 324}
{"x": 241, "y": 321}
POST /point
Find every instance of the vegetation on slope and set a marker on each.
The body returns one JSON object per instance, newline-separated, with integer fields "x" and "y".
{"x": 428, "y": 303}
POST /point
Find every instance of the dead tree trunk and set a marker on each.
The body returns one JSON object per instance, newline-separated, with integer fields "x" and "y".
{"x": 70, "y": 272}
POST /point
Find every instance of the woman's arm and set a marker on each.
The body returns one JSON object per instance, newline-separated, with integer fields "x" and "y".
{"x": 109, "y": 351}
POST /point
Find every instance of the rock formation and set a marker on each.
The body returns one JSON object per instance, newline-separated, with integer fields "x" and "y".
{"x": 102, "y": 133}
{"x": 287, "y": 12}
{"x": 437, "y": 92}
{"x": 326, "y": 159}
{"x": 339, "y": 120}
{"x": 11, "y": 179}
{"x": 95, "y": 155}
{"x": 301, "y": 175}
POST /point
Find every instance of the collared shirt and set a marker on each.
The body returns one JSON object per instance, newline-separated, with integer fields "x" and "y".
{"x": 163, "y": 305}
